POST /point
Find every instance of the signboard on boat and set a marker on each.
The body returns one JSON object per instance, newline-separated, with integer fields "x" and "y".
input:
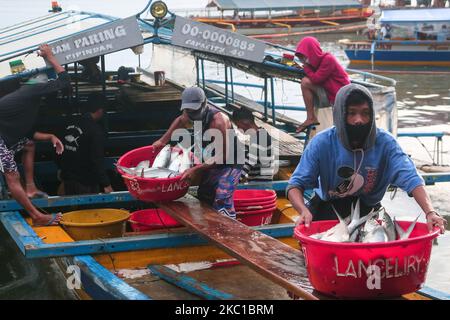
{"x": 203, "y": 37}
{"x": 107, "y": 38}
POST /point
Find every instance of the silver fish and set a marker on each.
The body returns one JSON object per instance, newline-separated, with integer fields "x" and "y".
{"x": 185, "y": 159}
{"x": 130, "y": 171}
{"x": 339, "y": 233}
{"x": 373, "y": 232}
{"x": 356, "y": 234}
{"x": 402, "y": 234}
{"x": 356, "y": 221}
{"x": 158, "y": 173}
{"x": 163, "y": 158}
{"x": 143, "y": 165}
{"x": 175, "y": 160}
{"x": 388, "y": 226}
{"x": 318, "y": 235}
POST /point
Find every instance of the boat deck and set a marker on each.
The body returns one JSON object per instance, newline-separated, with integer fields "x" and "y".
{"x": 225, "y": 279}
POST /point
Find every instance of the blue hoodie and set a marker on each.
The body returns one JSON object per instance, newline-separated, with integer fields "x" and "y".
{"x": 334, "y": 170}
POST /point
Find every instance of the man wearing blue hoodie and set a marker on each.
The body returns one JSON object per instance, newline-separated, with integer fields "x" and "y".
{"x": 354, "y": 159}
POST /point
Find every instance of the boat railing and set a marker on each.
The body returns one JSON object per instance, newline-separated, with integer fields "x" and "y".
{"x": 366, "y": 76}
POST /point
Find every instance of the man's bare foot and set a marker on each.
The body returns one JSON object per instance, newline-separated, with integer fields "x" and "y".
{"x": 306, "y": 124}
{"x": 47, "y": 220}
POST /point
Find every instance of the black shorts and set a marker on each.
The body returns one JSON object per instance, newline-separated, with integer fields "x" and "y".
{"x": 322, "y": 210}
{"x": 7, "y": 163}
{"x": 72, "y": 187}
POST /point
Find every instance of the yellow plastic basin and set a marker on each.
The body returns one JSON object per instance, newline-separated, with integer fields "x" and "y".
{"x": 95, "y": 223}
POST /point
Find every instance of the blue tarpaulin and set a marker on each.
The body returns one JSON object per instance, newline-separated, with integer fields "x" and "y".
{"x": 416, "y": 15}
{"x": 263, "y": 5}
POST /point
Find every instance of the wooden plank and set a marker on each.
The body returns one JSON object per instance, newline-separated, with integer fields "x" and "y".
{"x": 189, "y": 284}
{"x": 271, "y": 258}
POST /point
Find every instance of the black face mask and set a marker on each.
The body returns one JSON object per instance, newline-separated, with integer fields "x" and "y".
{"x": 198, "y": 114}
{"x": 357, "y": 134}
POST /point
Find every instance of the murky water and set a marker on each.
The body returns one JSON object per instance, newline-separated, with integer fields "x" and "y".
{"x": 424, "y": 104}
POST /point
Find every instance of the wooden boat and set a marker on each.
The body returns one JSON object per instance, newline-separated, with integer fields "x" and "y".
{"x": 117, "y": 268}
{"x": 416, "y": 37}
{"x": 182, "y": 265}
{"x": 273, "y": 17}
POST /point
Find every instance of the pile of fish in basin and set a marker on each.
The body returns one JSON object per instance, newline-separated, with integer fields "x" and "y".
{"x": 366, "y": 257}
{"x": 152, "y": 175}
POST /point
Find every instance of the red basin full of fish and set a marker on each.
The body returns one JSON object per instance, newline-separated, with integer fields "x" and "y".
{"x": 150, "y": 189}
{"x": 366, "y": 270}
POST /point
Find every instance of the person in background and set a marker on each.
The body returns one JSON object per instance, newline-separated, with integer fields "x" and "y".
{"x": 91, "y": 72}
{"x": 354, "y": 160}
{"x": 383, "y": 32}
{"x": 442, "y": 35}
{"x": 82, "y": 163}
{"x": 371, "y": 28}
{"x": 19, "y": 107}
{"x": 259, "y": 157}
{"x": 219, "y": 175}
{"x": 324, "y": 77}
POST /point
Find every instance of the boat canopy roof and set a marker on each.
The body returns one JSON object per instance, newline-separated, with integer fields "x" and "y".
{"x": 264, "y": 5}
{"x": 28, "y": 35}
{"x": 416, "y": 15}
{"x": 23, "y": 38}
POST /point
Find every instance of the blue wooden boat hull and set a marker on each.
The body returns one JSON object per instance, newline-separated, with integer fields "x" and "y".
{"x": 401, "y": 58}
{"x": 399, "y": 53}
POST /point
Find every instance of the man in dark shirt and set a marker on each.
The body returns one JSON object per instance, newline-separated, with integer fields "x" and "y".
{"x": 82, "y": 163}
{"x": 18, "y": 113}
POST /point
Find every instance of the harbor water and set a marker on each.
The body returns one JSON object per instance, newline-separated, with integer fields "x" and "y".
{"x": 423, "y": 105}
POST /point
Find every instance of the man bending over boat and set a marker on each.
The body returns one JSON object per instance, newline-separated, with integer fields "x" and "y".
{"x": 18, "y": 112}
{"x": 324, "y": 77}
{"x": 219, "y": 177}
{"x": 354, "y": 159}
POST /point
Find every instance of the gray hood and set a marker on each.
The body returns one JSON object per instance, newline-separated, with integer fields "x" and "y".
{"x": 340, "y": 118}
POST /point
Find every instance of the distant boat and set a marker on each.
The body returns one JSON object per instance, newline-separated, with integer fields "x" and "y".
{"x": 413, "y": 37}
{"x": 275, "y": 16}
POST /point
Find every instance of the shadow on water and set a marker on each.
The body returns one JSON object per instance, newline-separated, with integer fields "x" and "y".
{"x": 28, "y": 279}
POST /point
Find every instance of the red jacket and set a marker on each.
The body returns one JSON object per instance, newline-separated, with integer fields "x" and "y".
{"x": 322, "y": 68}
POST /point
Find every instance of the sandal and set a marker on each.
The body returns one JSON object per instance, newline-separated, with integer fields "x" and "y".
{"x": 39, "y": 195}
{"x": 50, "y": 222}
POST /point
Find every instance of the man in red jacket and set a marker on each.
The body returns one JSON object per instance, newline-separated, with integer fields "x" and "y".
{"x": 323, "y": 73}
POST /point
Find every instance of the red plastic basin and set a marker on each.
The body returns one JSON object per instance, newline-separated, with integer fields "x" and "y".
{"x": 255, "y": 207}
{"x": 256, "y": 217}
{"x": 342, "y": 269}
{"x": 151, "y": 219}
{"x": 145, "y": 189}
{"x": 253, "y": 197}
